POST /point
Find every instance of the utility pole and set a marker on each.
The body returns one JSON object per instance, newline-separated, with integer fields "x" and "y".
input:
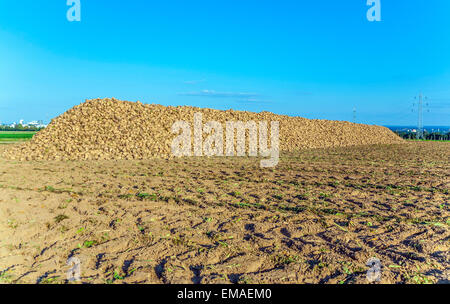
{"x": 421, "y": 98}
{"x": 354, "y": 114}
{"x": 420, "y": 118}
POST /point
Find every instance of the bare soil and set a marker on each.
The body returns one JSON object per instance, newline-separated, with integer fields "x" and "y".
{"x": 315, "y": 218}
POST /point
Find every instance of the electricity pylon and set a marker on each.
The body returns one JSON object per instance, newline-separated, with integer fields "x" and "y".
{"x": 419, "y": 134}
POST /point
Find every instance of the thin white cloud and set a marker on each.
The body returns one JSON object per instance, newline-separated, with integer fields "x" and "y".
{"x": 253, "y": 100}
{"x": 215, "y": 94}
{"x": 194, "y": 81}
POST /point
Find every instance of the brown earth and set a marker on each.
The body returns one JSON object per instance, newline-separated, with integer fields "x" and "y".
{"x": 112, "y": 129}
{"x": 315, "y": 218}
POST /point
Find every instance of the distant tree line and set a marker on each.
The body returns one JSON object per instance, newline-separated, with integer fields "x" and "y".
{"x": 20, "y": 128}
{"x": 426, "y": 135}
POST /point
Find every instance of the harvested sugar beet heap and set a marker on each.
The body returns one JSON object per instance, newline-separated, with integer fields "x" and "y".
{"x": 113, "y": 129}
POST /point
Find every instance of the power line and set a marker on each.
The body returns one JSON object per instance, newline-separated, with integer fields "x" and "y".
{"x": 420, "y": 98}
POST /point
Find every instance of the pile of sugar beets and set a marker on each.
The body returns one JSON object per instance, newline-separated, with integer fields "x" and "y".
{"x": 111, "y": 129}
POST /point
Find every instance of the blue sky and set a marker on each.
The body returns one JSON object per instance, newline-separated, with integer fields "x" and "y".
{"x": 315, "y": 59}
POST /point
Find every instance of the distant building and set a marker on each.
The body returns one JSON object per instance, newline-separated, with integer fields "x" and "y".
{"x": 31, "y": 124}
